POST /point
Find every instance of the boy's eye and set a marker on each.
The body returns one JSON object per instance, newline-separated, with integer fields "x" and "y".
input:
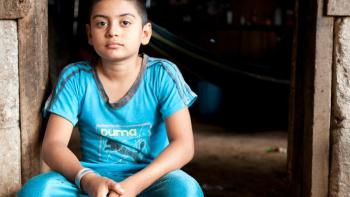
{"x": 101, "y": 24}
{"x": 126, "y": 23}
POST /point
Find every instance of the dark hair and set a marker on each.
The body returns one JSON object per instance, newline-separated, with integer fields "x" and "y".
{"x": 140, "y": 6}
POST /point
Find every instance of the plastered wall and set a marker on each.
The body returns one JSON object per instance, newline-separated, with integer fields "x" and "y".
{"x": 10, "y": 146}
{"x": 340, "y": 132}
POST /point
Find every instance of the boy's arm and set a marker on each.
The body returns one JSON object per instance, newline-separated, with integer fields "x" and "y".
{"x": 179, "y": 152}
{"x": 54, "y": 149}
{"x": 60, "y": 158}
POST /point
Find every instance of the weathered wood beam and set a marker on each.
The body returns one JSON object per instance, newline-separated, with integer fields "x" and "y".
{"x": 312, "y": 109}
{"x": 33, "y": 73}
{"x": 13, "y": 9}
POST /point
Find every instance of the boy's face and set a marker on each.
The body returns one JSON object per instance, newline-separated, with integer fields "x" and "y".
{"x": 116, "y": 31}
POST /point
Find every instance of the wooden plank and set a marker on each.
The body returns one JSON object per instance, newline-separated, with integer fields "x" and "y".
{"x": 317, "y": 93}
{"x": 33, "y": 73}
{"x": 311, "y": 132}
{"x": 322, "y": 105}
{"x": 13, "y": 9}
{"x": 338, "y": 7}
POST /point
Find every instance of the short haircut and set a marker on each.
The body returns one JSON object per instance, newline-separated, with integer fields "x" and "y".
{"x": 140, "y": 6}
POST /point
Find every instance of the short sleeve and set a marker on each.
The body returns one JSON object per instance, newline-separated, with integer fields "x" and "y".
{"x": 173, "y": 92}
{"x": 64, "y": 100}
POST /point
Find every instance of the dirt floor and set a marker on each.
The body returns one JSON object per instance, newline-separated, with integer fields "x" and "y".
{"x": 244, "y": 164}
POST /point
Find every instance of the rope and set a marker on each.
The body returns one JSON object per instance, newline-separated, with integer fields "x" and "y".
{"x": 158, "y": 36}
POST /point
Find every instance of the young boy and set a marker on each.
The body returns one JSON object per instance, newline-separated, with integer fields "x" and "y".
{"x": 132, "y": 115}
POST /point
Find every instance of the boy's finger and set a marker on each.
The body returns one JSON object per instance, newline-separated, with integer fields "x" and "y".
{"x": 113, "y": 194}
{"x": 116, "y": 187}
{"x": 102, "y": 193}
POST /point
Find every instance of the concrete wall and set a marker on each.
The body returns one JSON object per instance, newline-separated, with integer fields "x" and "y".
{"x": 340, "y": 132}
{"x": 10, "y": 144}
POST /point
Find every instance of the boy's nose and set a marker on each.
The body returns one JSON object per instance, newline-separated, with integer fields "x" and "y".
{"x": 113, "y": 30}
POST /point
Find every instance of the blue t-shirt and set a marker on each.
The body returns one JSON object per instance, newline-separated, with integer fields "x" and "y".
{"x": 131, "y": 131}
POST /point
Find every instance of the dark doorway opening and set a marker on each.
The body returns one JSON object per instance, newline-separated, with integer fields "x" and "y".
{"x": 236, "y": 55}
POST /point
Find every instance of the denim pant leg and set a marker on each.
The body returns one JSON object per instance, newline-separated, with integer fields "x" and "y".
{"x": 50, "y": 184}
{"x": 174, "y": 184}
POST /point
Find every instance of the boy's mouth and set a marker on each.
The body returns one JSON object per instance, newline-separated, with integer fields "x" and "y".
{"x": 114, "y": 45}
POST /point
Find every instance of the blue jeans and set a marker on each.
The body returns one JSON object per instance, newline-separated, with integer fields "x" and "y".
{"x": 51, "y": 184}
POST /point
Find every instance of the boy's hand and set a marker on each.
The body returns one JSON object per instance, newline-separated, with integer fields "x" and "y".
{"x": 98, "y": 186}
{"x": 130, "y": 190}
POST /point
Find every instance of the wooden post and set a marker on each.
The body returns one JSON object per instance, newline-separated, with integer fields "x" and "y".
{"x": 312, "y": 107}
{"x": 33, "y": 73}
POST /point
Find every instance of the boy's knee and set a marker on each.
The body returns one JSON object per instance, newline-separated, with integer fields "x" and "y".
{"x": 183, "y": 184}
{"x": 41, "y": 185}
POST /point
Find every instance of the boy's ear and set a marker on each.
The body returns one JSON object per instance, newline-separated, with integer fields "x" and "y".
{"x": 88, "y": 33}
{"x": 146, "y": 33}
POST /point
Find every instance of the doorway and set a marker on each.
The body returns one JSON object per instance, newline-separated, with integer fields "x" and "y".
{"x": 243, "y": 96}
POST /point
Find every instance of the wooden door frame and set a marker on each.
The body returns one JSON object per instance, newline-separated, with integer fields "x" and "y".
{"x": 310, "y": 103}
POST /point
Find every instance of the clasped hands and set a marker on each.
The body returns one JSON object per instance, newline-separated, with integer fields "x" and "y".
{"x": 99, "y": 186}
